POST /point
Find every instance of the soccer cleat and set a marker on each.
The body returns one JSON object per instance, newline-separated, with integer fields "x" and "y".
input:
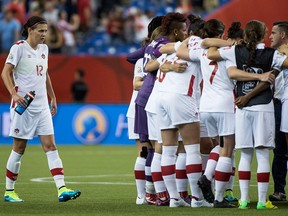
{"x": 160, "y": 202}
{"x": 141, "y": 201}
{"x": 229, "y": 196}
{"x": 65, "y": 194}
{"x": 200, "y": 203}
{"x": 205, "y": 186}
{"x": 267, "y": 205}
{"x": 223, "y": 204}
{"x": 243, "y": 204}
{"x": 150, "y": 199}
{"x": 277, "y": 196}
{"x": 178, "y": 203}
{"x": 188, "y": 199}
{"x": 12, "y": 196}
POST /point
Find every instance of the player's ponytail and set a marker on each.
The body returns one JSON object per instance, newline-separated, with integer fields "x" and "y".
{"x": 254, "y": 34}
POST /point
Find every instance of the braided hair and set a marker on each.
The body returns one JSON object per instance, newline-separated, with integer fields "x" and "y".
{"x": 254, "y": 33}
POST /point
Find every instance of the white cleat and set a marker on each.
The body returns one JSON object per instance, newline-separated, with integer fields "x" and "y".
{"x": 178, "y": 203}
{"x": 141, "y": 201}
{"x": 200, "y": 203}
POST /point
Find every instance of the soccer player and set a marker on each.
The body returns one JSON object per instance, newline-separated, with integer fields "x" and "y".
{"x": 279, "y": 39}
{"x": 255, "y": 112}
{"x": 27, "y": 62}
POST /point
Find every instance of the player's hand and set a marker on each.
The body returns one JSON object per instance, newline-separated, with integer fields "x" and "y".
{"x": 241, "y": 101}
{"x": 268, "y": 77}
{"x": 180, "y": 67}
{"x": 19, "y": 100}
{"x": 53, "y": 105}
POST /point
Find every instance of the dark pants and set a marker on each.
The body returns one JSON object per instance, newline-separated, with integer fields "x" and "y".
{"x": 279, "y": 164}
{"x": 140, "y": 124}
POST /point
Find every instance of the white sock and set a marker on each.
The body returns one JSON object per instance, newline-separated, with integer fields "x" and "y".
{"x": 12, "y": 169}
{"x": 56, "y": 168}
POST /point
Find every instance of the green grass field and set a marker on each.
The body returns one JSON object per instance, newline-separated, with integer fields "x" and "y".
{"x": 104, "y": 174}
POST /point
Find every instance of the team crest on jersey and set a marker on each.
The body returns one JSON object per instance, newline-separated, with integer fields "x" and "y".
{"x": 43, "y": 56}
{"x": 139, "y": 69}
{"x": 16, "y": 130}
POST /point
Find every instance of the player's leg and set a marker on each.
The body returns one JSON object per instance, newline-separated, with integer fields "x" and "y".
{"x": 13, "y": 168}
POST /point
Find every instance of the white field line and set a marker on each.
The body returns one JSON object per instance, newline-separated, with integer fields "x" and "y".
{"x": 50, "y": 180}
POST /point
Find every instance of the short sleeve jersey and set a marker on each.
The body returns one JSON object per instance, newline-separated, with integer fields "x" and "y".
{"x": 138, "y": 72}
{"x": 29, "y": 73}
{"x": 217, "y": 93}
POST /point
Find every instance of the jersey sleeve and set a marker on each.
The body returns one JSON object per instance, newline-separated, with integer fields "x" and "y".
{"x": 228, "y": 54}
{"x": 14, "y": 55}
{"x": 138, "y": 68}
{"x": 278, "y": 59}
{"x": 194, "y": 54}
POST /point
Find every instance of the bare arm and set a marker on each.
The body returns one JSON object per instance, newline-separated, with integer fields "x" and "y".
{"x": 183, "y": 51}
{"x": 51, "y": 94}
{"x": 138, "y": 82}
{"x": 177, "y": 67}
{"x": 9, "y": 83}
{"x": 241, "y": 75}
{"x": 214, "y": 54}
{"x": 152, "y": 65}
{"x": 167, "y": 48}
{"x": 243, "y": 100}
{"x": 215, "y": 42}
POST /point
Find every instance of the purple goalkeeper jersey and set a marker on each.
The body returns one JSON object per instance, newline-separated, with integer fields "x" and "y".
{"x": 151, "y": 52}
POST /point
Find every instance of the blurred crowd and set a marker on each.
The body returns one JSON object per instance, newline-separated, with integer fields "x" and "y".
{"x": 71, "y": 22}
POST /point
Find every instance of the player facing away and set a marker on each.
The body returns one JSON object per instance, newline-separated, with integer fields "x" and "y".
{"x": 27, "y": 62}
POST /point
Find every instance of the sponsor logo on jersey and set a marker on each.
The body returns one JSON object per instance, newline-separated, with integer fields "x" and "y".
{"x": 90, "y": 125}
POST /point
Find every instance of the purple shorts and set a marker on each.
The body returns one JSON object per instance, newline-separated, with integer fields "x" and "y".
{"x": 141, "y": 126}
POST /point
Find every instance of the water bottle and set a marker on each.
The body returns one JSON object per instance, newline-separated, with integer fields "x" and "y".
{"x": 29, "y": 98}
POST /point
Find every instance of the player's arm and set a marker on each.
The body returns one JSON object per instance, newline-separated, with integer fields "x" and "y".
{"x": 215, "y": 42}
{"x": 7, "y": 74}
{"x": 243, "y": 100}
{"x": 51, "y": 94}
{"x": 183, "y": 51}
{"x": 138, "y": 82}
{"x": 241, "y": 75}
{"x": 168, "y": 48}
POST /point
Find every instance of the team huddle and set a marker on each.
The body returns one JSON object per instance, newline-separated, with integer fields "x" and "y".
{"x": 197, "y": 98}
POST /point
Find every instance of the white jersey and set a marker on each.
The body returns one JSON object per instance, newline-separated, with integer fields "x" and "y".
{"x": 29, "y": 73}
{"x": 138, "y": 72}
{"x": 285, "y": 94}
{"x": 217, "y": 93}
{"x": 228, "y": 54}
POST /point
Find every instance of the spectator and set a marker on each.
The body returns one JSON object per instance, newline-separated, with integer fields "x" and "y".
{"x": 68, "y": 30}
{"x": 9, "y": 30}
{"x": 51, "y": 12}
{"x": 85, "y": 14}
{"x": 115, "y": 26}
{"x": 54, "y": 39}
{"x": 79, "y": 88}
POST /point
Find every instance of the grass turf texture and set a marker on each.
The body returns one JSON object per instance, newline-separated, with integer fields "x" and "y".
{"x": 104, "y": 174}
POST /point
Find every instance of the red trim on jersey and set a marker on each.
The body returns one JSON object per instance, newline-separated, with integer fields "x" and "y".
{"x": 222, "y": 176}
{"x": 57, "y": 171}
{"x": 19, "y": 42}
{"x": 213, "y": 156}
{"x": 191, "y": 84}
{"x": 193, "y": 168}
{"x": 157, "y": 176}
{"x": 168, "y": 170}
{"x": 244, "y": 175}
{"x": 139, "y": 174}
{"x": 263, "y": 177}
{"x": 12, "y": 176}
{"x": 181, "y": 174}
